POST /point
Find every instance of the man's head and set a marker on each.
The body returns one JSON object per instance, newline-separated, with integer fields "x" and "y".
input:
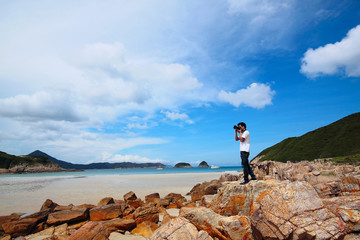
{"x": 242, "y": 126}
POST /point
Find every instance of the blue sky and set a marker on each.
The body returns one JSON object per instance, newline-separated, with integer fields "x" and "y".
{"x": 165, "y": 81}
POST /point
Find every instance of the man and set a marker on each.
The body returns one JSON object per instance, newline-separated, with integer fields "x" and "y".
{"x": 244, "y": 138}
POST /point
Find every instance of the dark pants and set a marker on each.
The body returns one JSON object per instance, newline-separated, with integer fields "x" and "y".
{"x": 245, "y": 163}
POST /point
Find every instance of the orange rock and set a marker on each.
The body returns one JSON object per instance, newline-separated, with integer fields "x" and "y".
{"x": 143, "y": 214}
{"x": 119, "y": 224}
{"x": 91, "y": 231}
{"x": 9, "y": 218}
{"x": 152, "y": 198}
{"x": 105, "y": 212}
{"x": 106, "y": 201}
{"x": 145, "y": 229}
{"x": 130, "y": 196}
{"x": 67, "y": 216}
{"x": 135, "y": 203}
{"x": 48, "y": 204}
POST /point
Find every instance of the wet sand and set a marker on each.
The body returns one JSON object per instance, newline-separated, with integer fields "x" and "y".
{"x": 27, "y": 194}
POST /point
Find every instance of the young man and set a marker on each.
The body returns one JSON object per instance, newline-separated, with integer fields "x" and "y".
{"x": 244, "y": 138}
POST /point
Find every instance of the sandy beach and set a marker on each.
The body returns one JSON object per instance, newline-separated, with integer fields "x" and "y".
{"x": 27, "y": 194}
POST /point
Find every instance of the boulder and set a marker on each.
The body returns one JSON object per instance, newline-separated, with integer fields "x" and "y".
{"x": 348, "y": 209}
{"x": 143, "y": 214}
{"x": 135, "y": 203}
{"x": 172, "y": 197}
{"x": 228, "y": 177}
{"x": 178, "y": 228}
{"x": 67, "y": 216}
{"x": 119, "y": 224}
{"x": 25, "y": 225}
{"x": 130, "y": 196}
{"x": 105, "y": 212}
{"x": 59, "y": 232}
{"x": 145, "y": 229}
{"x": 152, "y": 198}
{"x": 106, "y": 201}
{"x": 91, "y": 231}
{"x": 234, "y": 227}
{"x": 9, "y": 218}
{"x": 48, "y": 204}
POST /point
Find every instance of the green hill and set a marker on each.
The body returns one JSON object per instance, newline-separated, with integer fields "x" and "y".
{"x": 339, "y": 140}
{"x": 8, "y": 161}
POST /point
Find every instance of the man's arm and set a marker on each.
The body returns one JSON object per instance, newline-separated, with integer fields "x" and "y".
{"x": 237, "y": 138}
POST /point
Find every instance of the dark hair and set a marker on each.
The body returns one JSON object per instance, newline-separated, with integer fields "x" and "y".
{"x": 242, "y": 124}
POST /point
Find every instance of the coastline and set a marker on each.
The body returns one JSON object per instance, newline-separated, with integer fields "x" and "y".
{"x": 24, "y": 195}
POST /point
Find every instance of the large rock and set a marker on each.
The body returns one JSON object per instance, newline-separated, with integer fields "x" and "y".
{"x": 25, "y": 225}
{"x": 348, "y": 209}
{"x": 143, "y": 214}
{"x": 119, "y": 224}
{"x": 105, "y": 212}
{"x": 67, "y": 216}
{"x": 234, "y": 227}
{"x": 279, "y": 210}
{"x": 106, "y": 201}
{"x": 130, "y": 196}
{"x": 91, "y": 231}
{"x": 178, "y": 228}
{"x": 9, "y": 218}
{"x": 48, "y": 204}
{"x": 145, "y": 229}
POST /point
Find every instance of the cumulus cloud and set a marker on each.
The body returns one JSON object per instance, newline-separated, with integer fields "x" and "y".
{"x": 343, "y": 56}
{"x": 178, "y": 116}
{"x": 257, "y": 95}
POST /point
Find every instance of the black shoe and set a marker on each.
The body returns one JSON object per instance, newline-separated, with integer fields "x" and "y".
{"x": 244, "y": 182}
{"x": 253, "y": 179}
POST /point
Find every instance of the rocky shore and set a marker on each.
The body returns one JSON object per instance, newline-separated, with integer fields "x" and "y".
{"x": 305, "y": 200}
{"x": 27, "y": 168}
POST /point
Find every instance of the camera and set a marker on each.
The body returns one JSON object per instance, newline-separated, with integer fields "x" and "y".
{"x": 236, "y": 127}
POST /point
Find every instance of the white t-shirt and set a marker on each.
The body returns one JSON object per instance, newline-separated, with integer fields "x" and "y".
{"x": 245, "y": 145}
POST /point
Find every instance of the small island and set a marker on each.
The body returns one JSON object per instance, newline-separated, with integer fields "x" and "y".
{"x": 203, "y": 164}
{"x": 182, "y": 165}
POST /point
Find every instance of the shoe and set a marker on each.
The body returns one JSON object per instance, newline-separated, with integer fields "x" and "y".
{"x": 253, "y": 179}
{"x": 244, "y": 182}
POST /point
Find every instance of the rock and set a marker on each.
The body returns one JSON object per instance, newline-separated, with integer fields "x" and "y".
{"x": 105, "y": 201}
{"x": 152, "y": 198}
{"x": 234, "y": 227}
{"x": 178, "y": 228}
{"x": 91, "y": 231}
{"x": 9, "y": 218}
{"x": 67, "y": 216}
{"x": 135, "y": 203}
{"x": 62, "y": 208}
{"x": 348, "y": 209}
{"x": 119, "y": 236}
{"x": 202, "y": 235}
{"x": 48, "y": 204}
{"x": 203, "y": 164}
{"x": 130, "y": 196}
{"x": 119, "y": 224}
{"x": 294, "y": 209}
{"x": 25, "y": 225}
{"x": 205, "y": 188}
{"x": 59, "y": 232}
{"x": 143, "y": 214}
{"x": 105, "y": 212}
{"x": 172, "y": 197}
{"x": 145, "y": 229}
{"x": 227, "y": 177}
{"x": 211, "y": 189}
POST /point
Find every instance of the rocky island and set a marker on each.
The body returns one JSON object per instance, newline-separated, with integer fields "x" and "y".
{"x": 203, "y": 164}
{"x": 182, "y": 165}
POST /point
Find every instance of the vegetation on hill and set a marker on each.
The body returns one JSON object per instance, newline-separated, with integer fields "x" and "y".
{"x": 102, "y": 165}
{"x": 203, "y": 164}
{"x": 8, "y": 161}
{"x": 182, "y": 165}
{"x": 339, "y": 140}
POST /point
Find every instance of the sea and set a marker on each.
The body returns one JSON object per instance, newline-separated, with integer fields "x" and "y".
{"x": 127, "y": 171}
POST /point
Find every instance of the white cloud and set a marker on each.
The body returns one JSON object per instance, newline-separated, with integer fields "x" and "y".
{"x": 334, "y": 57}
{"x": 107, "y": 157}
{"x": 178, "y": 116}
{"x": 257, "y": 95}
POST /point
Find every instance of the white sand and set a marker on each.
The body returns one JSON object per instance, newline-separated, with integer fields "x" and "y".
{"x": 27, "y": 194}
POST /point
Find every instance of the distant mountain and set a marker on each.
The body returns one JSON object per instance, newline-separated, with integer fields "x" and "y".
{"x": 182, "y": 165}
{"x": 203, "y": 164}
{"x": 8, "y": 161}
{"x": 102, "y": 165}
{"x": 339, "y": 139}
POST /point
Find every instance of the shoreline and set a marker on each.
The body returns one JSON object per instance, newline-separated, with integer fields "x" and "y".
{"x": 24, "y": 195}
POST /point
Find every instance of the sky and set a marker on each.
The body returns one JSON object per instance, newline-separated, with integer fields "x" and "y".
{"x": 165, "y": 81}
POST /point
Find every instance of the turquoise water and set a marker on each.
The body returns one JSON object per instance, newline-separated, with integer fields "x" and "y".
{"x": 132, "y": 171}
